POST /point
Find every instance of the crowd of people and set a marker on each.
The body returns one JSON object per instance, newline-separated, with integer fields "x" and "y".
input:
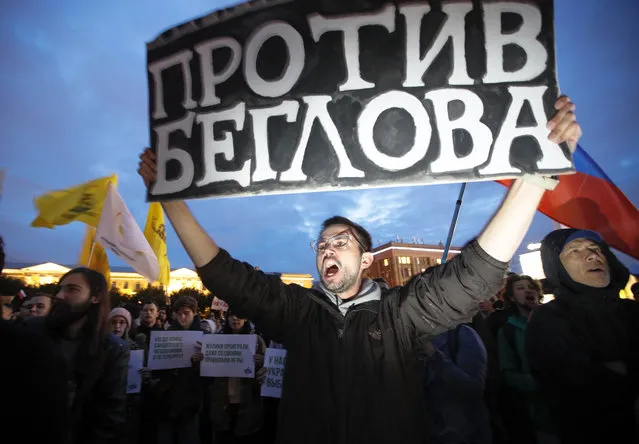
{"x": 462, "y": 353}
{"x": 516, "y": 372}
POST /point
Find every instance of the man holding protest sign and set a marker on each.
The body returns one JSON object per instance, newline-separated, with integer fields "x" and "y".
{"x": 356, "y": 94}
{"x": 351, "y": 373}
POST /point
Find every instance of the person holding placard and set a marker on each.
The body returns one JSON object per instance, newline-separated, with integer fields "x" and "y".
{"x": 178, "y": 393}
{"x": 351, "y": 373}
{"x": 237, "y": 413}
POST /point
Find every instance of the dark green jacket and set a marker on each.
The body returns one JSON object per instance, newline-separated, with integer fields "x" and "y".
{"x": 516, "y": 373}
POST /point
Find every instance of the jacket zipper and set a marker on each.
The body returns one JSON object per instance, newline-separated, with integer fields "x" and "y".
{"x": 342, "y": 336}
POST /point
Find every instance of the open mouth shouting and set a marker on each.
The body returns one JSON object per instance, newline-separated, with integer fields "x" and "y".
{"x": 330, "y": 270}
{"x": 531, "y": 298}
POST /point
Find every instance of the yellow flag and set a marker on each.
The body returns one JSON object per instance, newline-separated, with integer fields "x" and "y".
{"x": 99, "y": 259}
{"x": 156, "y": 237}
{"x": 82, "y": 203}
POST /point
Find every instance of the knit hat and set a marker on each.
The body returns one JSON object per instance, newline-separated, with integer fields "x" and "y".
{"x": 119, "y": 311}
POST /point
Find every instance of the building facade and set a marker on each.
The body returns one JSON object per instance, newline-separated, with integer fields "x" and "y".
{"x": 397, "y": 262}
{"x": 127, "y": 281}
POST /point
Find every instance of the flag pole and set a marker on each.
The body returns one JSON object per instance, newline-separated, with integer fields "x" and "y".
{"x": 91, "y": 253}
{"x": 453, "y": 224}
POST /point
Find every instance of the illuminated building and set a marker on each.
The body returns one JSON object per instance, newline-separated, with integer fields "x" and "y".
{"x": 125, "y": 279}
{"x": 397, "y": 262}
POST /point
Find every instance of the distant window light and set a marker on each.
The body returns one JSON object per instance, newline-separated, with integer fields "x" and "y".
{"x": 439, "y": 261}
{"x": 385, "y": 262}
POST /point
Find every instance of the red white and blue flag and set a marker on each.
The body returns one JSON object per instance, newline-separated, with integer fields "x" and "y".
{"x": 590, "y": 200}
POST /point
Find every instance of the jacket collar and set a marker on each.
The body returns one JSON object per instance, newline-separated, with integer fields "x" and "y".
{"x": 369, "y": 291}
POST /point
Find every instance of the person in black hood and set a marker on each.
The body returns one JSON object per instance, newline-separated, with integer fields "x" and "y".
{"x": 583, "y": 346}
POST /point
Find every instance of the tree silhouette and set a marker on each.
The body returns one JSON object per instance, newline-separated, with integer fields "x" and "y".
{"x": 154, "y": 294}
{"x": 10, "y": 286}
{"x": 116, "y": 298}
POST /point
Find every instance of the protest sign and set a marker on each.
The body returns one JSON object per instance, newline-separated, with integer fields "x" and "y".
{"x": 172, "y": 349}
{"x": 134, "y": 375}
{"x": 275, "y": 362}
{"x": 308, "y": 95}
{"x": 273, "y": 344}
{"x": 219, "y": 304}
{"x": 228, "y": 356}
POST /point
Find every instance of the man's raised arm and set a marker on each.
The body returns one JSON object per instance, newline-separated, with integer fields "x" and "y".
{"x": 197, "y": 243}
{"x": 505, "y": 231}
{"x": 277, "y": 308}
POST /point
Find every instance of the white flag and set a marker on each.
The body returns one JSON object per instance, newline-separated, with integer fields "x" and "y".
{"x": 118, "y": 231}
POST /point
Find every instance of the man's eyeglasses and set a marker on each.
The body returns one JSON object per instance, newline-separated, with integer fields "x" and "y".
{"x": 338, "y": 242}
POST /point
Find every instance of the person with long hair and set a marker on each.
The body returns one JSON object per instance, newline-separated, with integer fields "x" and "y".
{"x": 96, "y": 360}
{"x": 526, "y": 411}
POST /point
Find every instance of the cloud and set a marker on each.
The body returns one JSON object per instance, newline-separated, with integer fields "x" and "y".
{"x": 308, "y": 219}
{"x": 378, "y": 208}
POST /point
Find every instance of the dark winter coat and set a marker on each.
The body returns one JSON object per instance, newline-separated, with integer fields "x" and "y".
{"x": 454, "y": 389}
{"x": 354, "y": 377}
{"x": 99, "y": 407}
{"x": 250, "y": 413}
{"x": 34, "y": 387}
{"x": 571, "y": 340}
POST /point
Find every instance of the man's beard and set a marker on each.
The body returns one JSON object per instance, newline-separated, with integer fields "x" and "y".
{"x": 63, "y": 314}
{"x": 346, "y": 283}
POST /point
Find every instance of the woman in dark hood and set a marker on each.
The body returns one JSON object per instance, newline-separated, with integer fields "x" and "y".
{"x": 583, "y": 346}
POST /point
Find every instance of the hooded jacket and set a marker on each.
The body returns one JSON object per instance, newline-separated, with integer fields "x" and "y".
{"x": 353, "y": 376}
{"x": 572, "y": 340}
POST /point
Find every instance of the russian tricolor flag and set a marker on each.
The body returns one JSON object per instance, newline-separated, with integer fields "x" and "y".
{"x": 591, "y": 201}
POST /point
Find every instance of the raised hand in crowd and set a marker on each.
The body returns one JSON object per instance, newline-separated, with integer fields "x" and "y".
{"x": 563, "y": 126}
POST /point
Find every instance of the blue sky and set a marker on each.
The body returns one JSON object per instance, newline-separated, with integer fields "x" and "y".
{"x": 73, "y": 101}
